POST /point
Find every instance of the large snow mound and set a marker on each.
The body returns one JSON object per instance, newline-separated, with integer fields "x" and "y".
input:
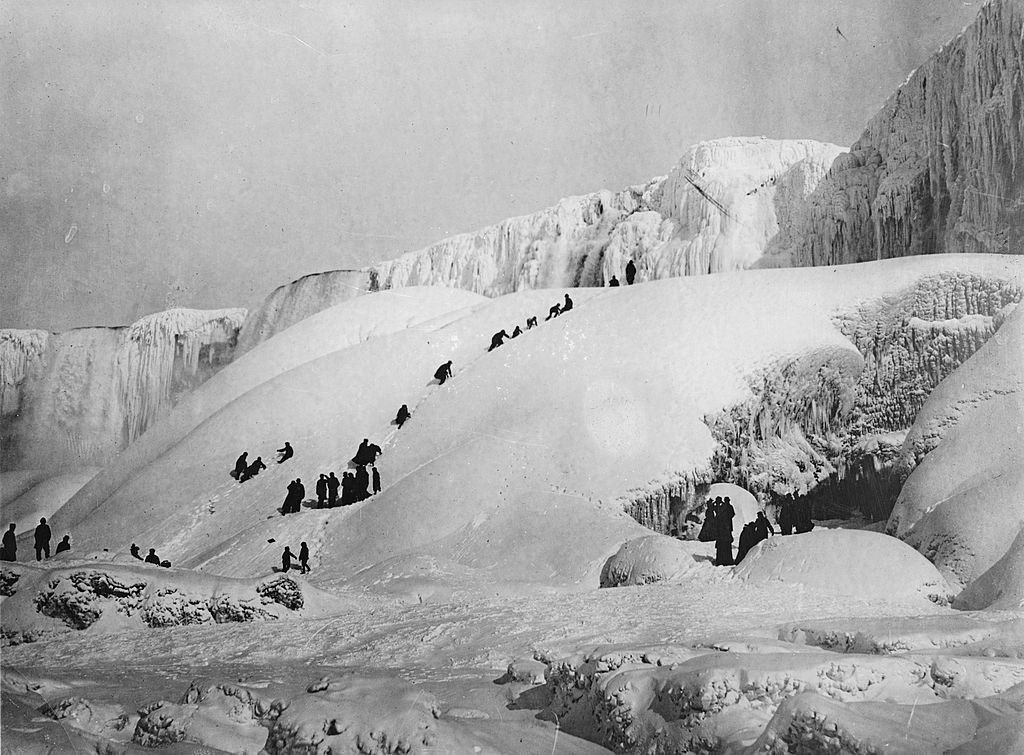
{"x": 654, "y": 558}
{"x": 853, "y": 562}
{"x": 519, "y": 467}
{"x": 44, "y": 498}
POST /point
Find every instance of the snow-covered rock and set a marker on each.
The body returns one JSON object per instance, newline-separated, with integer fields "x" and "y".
{"x": 852, "y": 562}
{"x": 654, "y": 558}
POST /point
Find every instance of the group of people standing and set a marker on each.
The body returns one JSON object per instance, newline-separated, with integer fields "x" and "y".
{"x": 287, "y": 556}
{"x": 9, "y": 548}
{"x": 717, "y": 526}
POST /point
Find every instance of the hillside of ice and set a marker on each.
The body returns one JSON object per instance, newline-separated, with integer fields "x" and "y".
{"x": 939, "y": 168}
{"x": 75, "y": 399}
{"x": 632, "y": 402}
{"x": 729, "y": 204}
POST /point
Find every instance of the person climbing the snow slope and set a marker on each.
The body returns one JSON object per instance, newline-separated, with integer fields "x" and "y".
{"x": 630, "y": 272}
{"x": 286, "y": 453}
{"x": 304, "y": 558}
{"x": 333, "y": 483}
{"x": 63, "y": 545}
{"x": 253, "y": 469}
{"x": 152, "y": 558}
{"x": 134, "y": 550}
{"x": 321, "y": 491}
{"x": 375, "y": 479}
{"x": 498, "y": 339}
{"x": 42, "y": 539}
{"x": 748, "y": 539}
{"x": 613, "y": 283}
{"x": 9, "y": 552}
{"x": 517, "y": 332}
{"x": 286, "y": 559}
{"x": 555, "y": 311}
{"x": 402, "y": 416}
{"x": 443, "y": 372}
{"x": 531, "y": 322}
{"x": 240, "y": 464}
{"x": 568, "y": 304}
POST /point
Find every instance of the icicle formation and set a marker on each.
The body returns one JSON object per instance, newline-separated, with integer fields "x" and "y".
{"x": 20, "y": 350}
{"x": 158, "y": 348}
{"x": 939, "y": 168}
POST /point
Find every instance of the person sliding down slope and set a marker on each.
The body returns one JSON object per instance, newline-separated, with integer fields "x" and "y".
{"x": 286, "y": 452}
{"x": 152, "y": 558}
{"x": 443, "y": 372}
{"x": 723, "y": 539}
{"x": 253, "y": 469}
{"x": 555, "y": 311}
{"x": 240, "y": 465}
{"x": 42, "y": 539}
{"x": 498, "y": 339}
{"x": 402, "y": 416}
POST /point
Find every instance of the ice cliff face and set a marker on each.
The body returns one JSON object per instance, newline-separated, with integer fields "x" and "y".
{"x": 941, "y": 167}
{"x": 728, "y": 205}
{"x": 77, "y": 398}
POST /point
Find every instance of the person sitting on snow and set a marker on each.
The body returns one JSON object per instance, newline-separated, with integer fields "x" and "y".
{"x": 253, "y": 469}
{"x": 135, "y": 552}
{"x": 152, "y": 558}
{"x": 64, "y": 545}
{"x": 286, "y": 452}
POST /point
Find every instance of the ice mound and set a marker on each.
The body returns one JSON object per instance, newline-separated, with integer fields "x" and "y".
{"x": 1001, "y": 586}
{"x": 852, "y": 562}
{"x": 43, "y": 498}
{"x": 655, "y": 558}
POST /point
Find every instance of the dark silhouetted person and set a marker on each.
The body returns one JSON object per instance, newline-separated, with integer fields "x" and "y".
{"x": 568, "y": 304}
{"x": 748, "y": 539}
{"x": 709, "y": 529}
{"x": 286, "y": 452}
{"x": 555, "y": 311}
{"x": 333, "y": 483}
{"x": 402, "y": 416}
{"x": 135, "y": 552}
{"x": 517, "y": 332}
{"x": 614, "y": 282}
{"x": 300, "y": 496}
{"x": 286, "y": 559}
{"x": 10, "y": 545}
{"x": 630, "y": 272}
{"x": 531, "y": 322}
{"x": 42, "y": 539}
{"x": 304, "y": 557}
{"x": 240, "y": 464}
{"x": 362, "y": 482}
{"x": 375, "y": 479}
{"x": 152, "y": 558}
{"x": 786, "y": 523}
{"x": 361, "y": 453}
{"x": 443, "y": 372}
{"x": 347, "y": 489}
{"x": 321, "y": 491}
{"x": 498, "y": 339}
{"x": 63, "y": 545}
{"x": 723, "y": 541}
{"x": 802, "y": 517}
{"x": 253, "y": 469}
{"x": 763, "y": 526}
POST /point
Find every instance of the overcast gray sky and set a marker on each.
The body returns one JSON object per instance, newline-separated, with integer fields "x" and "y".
{"x": 187, "y": 153}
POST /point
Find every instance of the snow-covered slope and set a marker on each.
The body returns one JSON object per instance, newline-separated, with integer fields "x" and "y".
{"x": 79, "y": 397}
{"x": 729, "y": 204}
{"x": 521, "y": 466}
{"x": 941, "y": 167}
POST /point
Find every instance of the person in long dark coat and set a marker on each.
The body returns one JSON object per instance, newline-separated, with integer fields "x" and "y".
{"x": 361, "y": 483}
{"x": 333, "y": 483}
{"x": 630, "y": 272}
{"x": 375, "y": 479}
{"x": 42, "y": 539}
{"x": 240, "y": 464}
{"x": 498, "y": 339}
{"x": 402, "y": 416}
{"x": 443, "y": 372}
{"x": 748, "y": 539}
{"x": 10, "y": 545}
{"x": 64, "y": 545}
{"x": 517, "y": 332}
{"x": 347, "y": 489}
{"x": 286, "y": 559}
{"x": 321, "y": 491}
{"x": 300, "y": 496}
{"x": 304, "y": 558}
{"x": 723, "y": 542}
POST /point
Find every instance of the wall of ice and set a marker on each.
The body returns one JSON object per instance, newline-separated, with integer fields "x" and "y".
{"x": 729, "y": 204}
{"x": 77, "y": 398}
{"x": 941, "y": 167}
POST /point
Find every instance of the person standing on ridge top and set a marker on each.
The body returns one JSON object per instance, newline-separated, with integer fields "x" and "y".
{"x": 42, "y": 539}
{"x": 240, "y": 464}
{"x": 443, "y": 372}
{"x": 723, "y": 542}
{"x": 630, "y": 272}
{"x": 286, "y": 452}
{"x": 253, "y": 469}
{"x": 333, "y": 483}
{"x": 304, "y": 558}
{"x": 10, "y": 545}
{"x": 321, "y": 491}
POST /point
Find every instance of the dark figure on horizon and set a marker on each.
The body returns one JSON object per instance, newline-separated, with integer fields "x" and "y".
{"x": 498, "y": 339}
{"x": 134, "y": 550}
{"x": 613, "y": 283}
{"x": 375, "y": 479}
{"x": 723, "y": 538}
{"x": 402, "y": 416}
{"x": 748, "y": 539}
{"x": 443, "y": 372}
{"x": 531, "y": 322}
{"x": 42, "y": 539}
{"x": 152, "y": 558}
{"x": 333, "y": 483}
{"x": 321, "y": 491}
{"x": 286, "y": 559}
{"x": 362, "y": 482}
{"x": 240, "y": 464}
{"x": 286, "y": 453}
{"x": 63, "y": 545}
{"x": 9, "y": 552}
{"x": 253, "y": 469}
{"x": 630, "y": 272}
{"x": 304, "y": 558}
{"x": 555, "y": 311}
{"x": 517, "y": 332}
{"x": 568, "y": 304}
